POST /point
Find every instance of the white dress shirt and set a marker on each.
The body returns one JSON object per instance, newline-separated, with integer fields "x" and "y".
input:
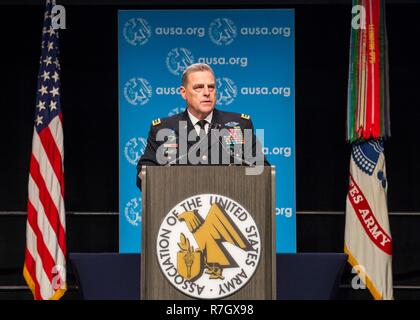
{"x": 194, "y": 121}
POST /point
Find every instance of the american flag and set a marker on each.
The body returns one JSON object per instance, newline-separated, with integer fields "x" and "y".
{"x": 45, "y": 254}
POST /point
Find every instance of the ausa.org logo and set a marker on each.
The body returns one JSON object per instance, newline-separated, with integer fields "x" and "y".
{"x": 222, "y": 31}
{"x": 226, "y": 91}
{"x": 132, "y": 211}
{"x": 134, "y": 149}
{"x": 137, "y": 91}
{"x": 208, "y": 246}
{"x": 178, "y": 59}
{"x": 137, "y": 31}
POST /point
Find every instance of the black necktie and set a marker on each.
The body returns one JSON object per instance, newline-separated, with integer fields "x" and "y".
{"x": 202, "y": 123}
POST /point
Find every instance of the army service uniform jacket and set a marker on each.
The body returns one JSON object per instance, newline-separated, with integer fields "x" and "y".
{"x": 232, "y": 124}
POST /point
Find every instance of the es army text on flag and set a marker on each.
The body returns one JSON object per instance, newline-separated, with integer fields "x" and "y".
{"x": 368, "y": 239}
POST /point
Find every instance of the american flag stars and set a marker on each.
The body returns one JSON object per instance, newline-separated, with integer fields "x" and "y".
{"x": 41, "y": 105}
{"x": 43, "y": 90}
{"x": 50, "y": 46}
{"x": 46, "y": 75}
{"x": 47, "y": 60}
{"x": 55, "y": 76}
{"x": 57, "y": 64}
{"x": 54, "y": 92}
{"x": 38, "y": 120}
{"x": 53, "y": 105}
{"x": 48, "y": 98}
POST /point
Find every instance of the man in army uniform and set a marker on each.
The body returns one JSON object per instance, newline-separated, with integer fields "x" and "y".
{"x": 202, "y": 135}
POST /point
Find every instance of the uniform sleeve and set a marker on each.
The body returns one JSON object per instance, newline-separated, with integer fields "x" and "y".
{"x": 149, "y": 156}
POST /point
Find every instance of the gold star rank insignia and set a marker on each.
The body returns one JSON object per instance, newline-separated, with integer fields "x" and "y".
{"x": 156, "y": 122}
{"x": 245, "y": 116}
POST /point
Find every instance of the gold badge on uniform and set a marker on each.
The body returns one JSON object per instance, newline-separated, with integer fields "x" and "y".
{"x": 245, "y": 116}
{"x": 156, "y": 122}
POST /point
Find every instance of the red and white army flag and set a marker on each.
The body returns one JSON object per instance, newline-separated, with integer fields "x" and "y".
{"x": 368, "y": 239}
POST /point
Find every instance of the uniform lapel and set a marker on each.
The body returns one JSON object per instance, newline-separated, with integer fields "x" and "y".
{"x": 216, "y": 119}
{"x": 190, "y": 127}
{"x": 216, "y": 123}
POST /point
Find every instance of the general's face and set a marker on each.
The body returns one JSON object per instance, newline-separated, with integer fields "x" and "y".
{"x": 200, "y": 93}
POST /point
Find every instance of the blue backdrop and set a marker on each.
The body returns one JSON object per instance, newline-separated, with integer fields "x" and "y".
{"x": 252, "y": 54}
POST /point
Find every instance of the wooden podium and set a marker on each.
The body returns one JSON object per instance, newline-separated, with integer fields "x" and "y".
{"x": 166, "y": 186}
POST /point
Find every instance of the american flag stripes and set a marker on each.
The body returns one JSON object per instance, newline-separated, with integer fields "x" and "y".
{"x": 45, "y": 255}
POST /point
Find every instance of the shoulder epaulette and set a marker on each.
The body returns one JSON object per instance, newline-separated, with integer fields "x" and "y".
{"x": 245, "y": 116}
{"x": 156, "y": 122}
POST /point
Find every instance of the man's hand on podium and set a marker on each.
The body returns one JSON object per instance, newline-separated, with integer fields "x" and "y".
{"x": 141, "y": 175}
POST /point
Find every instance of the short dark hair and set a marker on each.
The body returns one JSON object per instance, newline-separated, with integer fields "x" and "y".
{"x": 194, "y": 68}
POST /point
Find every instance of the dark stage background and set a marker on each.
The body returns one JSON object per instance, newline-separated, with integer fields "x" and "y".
{"x": 90, "y": 112}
